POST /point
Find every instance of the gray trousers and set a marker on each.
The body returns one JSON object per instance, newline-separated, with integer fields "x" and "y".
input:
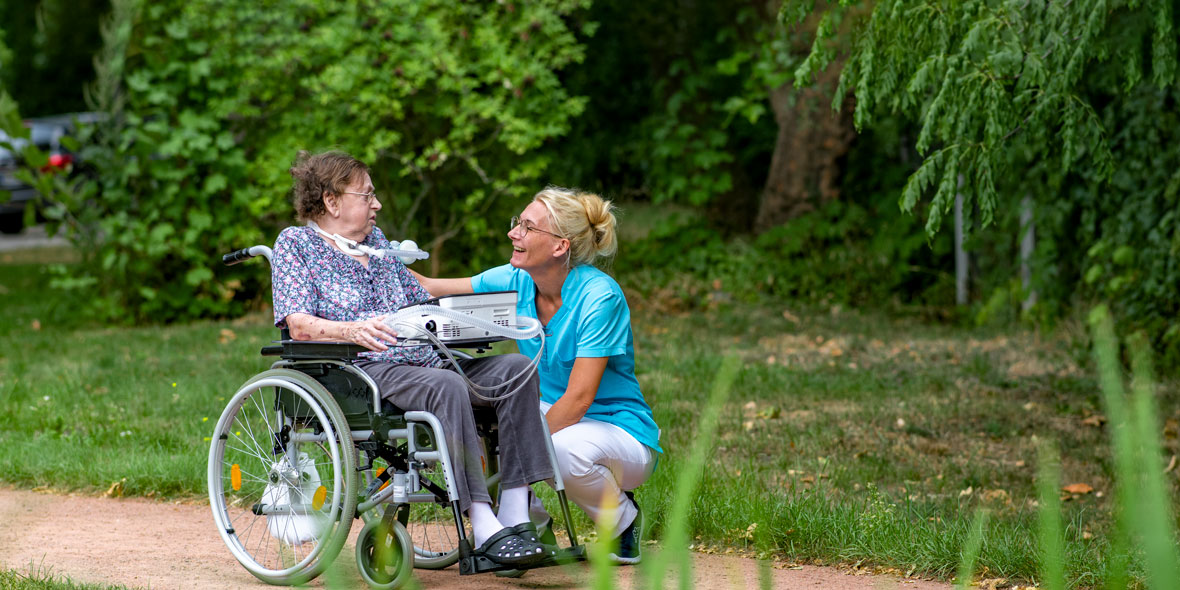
{"x": 442, "y": 392}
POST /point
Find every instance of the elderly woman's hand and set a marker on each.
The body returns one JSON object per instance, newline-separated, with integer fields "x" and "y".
{"x": 371, "y": 333}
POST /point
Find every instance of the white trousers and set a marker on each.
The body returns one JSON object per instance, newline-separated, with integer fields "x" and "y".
{"x": 599, "y": 461}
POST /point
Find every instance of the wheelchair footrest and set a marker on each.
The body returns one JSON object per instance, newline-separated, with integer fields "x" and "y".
{"x": 473, "y": 564}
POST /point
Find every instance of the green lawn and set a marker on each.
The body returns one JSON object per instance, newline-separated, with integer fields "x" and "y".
{"x": 849, "y": 437}
{"x": 19, "y": 580}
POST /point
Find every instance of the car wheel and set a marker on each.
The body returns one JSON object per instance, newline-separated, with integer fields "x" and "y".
{"x": 12, "y": 223}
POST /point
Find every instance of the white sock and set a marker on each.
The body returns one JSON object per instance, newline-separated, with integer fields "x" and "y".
{"x": 514, "y": 505}
{"x": 483, "y": 522}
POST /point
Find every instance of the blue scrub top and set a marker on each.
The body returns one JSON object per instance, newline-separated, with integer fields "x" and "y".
{"x": 593, "y": 321}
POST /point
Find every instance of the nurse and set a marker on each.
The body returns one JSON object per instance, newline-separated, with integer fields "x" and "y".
{"x": 603, "y": 431}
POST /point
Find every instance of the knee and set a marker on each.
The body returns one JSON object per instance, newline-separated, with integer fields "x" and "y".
{"x": 572, "y": 458}
{"x": 448, "y": 392}
{"x": 515, "y": 360}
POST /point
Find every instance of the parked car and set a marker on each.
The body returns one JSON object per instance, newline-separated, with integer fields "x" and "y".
{"x": 46, "y": 134}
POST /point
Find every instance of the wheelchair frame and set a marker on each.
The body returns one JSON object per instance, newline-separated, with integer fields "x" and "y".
{"x": 306, "y": 435}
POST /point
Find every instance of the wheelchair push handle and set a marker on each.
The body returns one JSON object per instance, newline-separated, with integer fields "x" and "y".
{"x": 245, "y": 254}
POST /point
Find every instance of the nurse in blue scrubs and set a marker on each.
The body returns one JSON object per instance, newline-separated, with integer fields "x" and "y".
{"x": 603, "y": 431}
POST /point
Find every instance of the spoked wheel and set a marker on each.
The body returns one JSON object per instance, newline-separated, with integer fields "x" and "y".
{"x": 384, "y": 554}
{"x": 282, "y": 477}
{"x": 431, "y": 525}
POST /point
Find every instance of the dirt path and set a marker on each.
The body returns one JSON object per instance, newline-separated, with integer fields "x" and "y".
{"x": 143, "y": 544}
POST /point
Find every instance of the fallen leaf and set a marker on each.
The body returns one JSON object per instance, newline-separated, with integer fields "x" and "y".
{"x": 993, "y": 583}
{"x": 116, "y": 489}
{"x": 1171, "y": 464}
{"x": 967, "y": 492}
{"x": 1078, "y": 488}
{"x": 36, "y": 325}
{"x": 1096, "y": 420}
{"x": 771, "y": 413}
{"x": 790, "y": 317}
{"x": 227, "y": 336}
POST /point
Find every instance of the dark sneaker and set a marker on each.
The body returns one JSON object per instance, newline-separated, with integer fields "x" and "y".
{"x": 630, "y": 539}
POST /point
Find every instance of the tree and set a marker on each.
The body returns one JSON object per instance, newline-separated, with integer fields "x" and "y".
{"x": 996, "y": 85}
{"x": 208, "y": 103}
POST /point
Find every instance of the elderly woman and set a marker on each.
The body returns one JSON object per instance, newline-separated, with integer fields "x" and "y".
{"x": 328, "y": 289}
{"x": 603, "y": 431}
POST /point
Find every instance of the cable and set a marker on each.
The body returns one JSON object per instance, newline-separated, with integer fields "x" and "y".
{"x": 531, "y": 329}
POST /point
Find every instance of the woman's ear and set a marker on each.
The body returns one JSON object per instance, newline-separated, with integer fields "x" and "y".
{"x": 331, "y": 203}
{"x": 562, "y": 248}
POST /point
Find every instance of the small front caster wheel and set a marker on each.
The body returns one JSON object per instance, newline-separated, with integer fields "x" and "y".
{"x": 385, "y": 554}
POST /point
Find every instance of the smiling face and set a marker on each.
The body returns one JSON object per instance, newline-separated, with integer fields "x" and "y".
{"x": 536, "y": 250}
{"x": 353, "y": 212}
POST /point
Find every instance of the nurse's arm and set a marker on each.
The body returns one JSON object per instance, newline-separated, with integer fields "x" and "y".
{"x": 440, "y": 287}
{"x": 579, "y": 394}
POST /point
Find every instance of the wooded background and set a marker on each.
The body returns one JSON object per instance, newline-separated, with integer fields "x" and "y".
{"x": 814, "y": 153}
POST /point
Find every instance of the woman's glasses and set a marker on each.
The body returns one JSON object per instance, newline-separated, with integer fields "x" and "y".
{"x": 526, "y": 228}
{"x": 367, "y": 196}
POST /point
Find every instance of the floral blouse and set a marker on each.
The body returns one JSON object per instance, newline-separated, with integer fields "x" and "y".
{"x": 310, "y": 276}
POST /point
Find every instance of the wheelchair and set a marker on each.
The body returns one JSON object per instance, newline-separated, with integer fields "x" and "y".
{"x": 308, "y": 446}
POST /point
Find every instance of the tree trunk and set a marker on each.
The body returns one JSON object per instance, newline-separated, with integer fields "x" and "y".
{"x": 812, "y": 140}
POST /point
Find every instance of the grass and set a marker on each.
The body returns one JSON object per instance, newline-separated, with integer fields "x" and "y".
{"x": 35, "y": 580}
{"x": 849, "y": 437}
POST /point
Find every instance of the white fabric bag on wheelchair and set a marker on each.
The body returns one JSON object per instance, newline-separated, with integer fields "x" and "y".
{"x": 295, "y": 489}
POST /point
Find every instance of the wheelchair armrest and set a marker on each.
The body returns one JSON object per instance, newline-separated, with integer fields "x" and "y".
{"x": 312, "y": 350}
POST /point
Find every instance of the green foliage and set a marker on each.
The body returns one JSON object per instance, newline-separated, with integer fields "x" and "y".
{"x": 996, "y": 85}
{"x": 207, "y": 106}
{"x": 51, "y": 42}
{"x": 844, "y": 253}
{"x": 680, "y": 110}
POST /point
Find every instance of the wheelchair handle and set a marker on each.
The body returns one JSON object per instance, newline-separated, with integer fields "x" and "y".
{"x": 245, "y": 254}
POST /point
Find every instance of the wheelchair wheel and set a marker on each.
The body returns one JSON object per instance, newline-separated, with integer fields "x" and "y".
{"x": 431, "y": 525}
{"x": 384, "y": 554}
{"x": 282, "y": 477}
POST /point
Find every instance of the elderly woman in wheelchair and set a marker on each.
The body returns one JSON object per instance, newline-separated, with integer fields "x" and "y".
{"x": 349, "y": 396}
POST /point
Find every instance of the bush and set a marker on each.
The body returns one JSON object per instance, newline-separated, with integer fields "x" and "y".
{"x": 207, "y": 106}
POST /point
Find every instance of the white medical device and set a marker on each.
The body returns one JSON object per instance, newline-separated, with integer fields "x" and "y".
{"x": 476, "y": 319}
{"x": 497, "y": 308}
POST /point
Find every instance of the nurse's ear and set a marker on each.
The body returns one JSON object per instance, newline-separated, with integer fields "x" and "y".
{"x": 561, "y": 249}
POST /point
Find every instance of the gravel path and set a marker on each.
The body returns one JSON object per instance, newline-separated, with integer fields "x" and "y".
{"x": 144, "y": 544}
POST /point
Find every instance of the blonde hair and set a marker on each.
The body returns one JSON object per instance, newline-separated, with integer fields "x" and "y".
{"x": 585, "y": 219}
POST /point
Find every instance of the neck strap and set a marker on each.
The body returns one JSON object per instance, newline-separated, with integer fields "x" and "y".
{"x": 350, "y": 247}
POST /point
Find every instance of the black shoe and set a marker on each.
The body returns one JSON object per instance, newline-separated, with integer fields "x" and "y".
{"x": 506, "y": 548}
{"x": 630, "y": 539}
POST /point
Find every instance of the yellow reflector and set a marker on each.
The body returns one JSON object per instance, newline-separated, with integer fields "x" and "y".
{"x": 317, "y": 501}
{"x": 235, "y": 477}
{"x": 378, "y": 473}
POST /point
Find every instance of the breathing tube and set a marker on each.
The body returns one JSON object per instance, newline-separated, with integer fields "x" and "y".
{"x": 407, "y": 323}
{"x": 406, "y": 251}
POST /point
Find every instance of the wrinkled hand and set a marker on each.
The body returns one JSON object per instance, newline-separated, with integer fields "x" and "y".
{"x": 371, "y": 333}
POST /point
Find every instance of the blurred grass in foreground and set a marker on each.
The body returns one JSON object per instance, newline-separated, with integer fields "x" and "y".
{"x": 849, "y": 437}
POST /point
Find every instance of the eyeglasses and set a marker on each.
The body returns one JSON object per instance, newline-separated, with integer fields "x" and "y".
{"x": 368, "y": 196}
{"x": 516, "y": 221}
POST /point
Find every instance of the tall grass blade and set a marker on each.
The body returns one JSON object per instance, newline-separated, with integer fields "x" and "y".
{"x": 601, "y": 569}
{"x": 971, "y": 551}
{"x": 676, "y": 532}
{"x": 764, "y": 575}
{"x": 1155, "y": 522}
{"x": 1122, "y": 448}
{"x": 1049, "y": 532}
